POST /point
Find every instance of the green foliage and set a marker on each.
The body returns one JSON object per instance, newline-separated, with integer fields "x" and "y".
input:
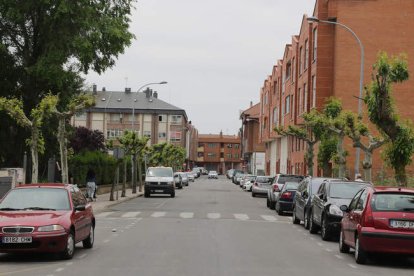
{"x": 164, "y": 154}
{"x": 327, "y": 150}
{"x": 402, "y": 148}
{"x": 101, "y": 163}
{"x": 132, "y": 144}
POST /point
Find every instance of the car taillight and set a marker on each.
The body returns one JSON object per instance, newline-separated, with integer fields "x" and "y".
{"x": 368, "y": 219}
{"x": 286, "y": 195}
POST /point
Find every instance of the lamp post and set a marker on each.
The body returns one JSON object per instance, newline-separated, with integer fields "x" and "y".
{"x": 139, "y": 90}
{"x": 361, "y": 74}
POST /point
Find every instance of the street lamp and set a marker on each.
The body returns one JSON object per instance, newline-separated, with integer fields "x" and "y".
{"x": 361, "y": 78}
{"x": 139, "y": 90}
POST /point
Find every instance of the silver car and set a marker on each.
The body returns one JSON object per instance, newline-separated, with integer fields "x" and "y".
{"x": 184, "y": 178}
{"x": 261, "y": 185}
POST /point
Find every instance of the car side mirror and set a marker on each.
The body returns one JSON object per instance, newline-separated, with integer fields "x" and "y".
{"x": 344, "y": 208}
{"x": 321, "y": 196}
{"x": 80, "y": 208}
{"x": 305, "y": 194}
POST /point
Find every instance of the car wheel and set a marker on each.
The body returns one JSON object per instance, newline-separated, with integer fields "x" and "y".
{"x": 272, "y": 205}
{"x": 268, "y": 203}
{"x": 313, "y": 228}
{"x": 88, "y": 242}
{"x": 69, "y": 251}
{"x": 146, "y": 194}
{"x": 279, "y": 211}
{"x": 343, "y": 248}
{"x": 325, "y": 231}
{"x": 173, "y": 194}
{"x": 253, "y": 194}
{"x": 360, "y": 255}
{"x": 295, "y": 220}
{"x": 306, "y": 220}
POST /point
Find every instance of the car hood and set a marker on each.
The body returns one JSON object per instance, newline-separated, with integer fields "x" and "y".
{"x": 30, "y": 218}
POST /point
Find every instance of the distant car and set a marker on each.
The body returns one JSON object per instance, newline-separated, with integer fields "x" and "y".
{"x": 246, "y": 178}
{"x": 196, "y": 172}
{"x": 236, "y": 173}
{"x": 277, "y": 184}
{"x": 249, "y": 183}
{"x": 303, "y": 198}
{"x": 284, "y": 201}
{"x": 178, "y": 181}
{"x": 378, "y": 220}
{"x": 45, "y": 218}
{"x": 213, "y": 174}
{"x": 325, "y": 213}
{"x": 184, "y": 178}
{"x": 229, "y": 173}
{"x": 159, "y": 180}
{"x": 261, "y": 185}
{"x": 191, "y": 176}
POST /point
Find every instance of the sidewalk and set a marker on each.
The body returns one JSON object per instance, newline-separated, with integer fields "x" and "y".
{"x": 102, "y": 201}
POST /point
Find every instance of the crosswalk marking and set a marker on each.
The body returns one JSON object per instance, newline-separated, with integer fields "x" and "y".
{"x": 158, "y": 214}
{"x": 131, "y": 214}
{"x": 187, "y": 215}
{"x": 269, "y": 218}
{"x": 104, "y": 214}
{"x": 241, "y": 216}
{"x": 213, "y": 215}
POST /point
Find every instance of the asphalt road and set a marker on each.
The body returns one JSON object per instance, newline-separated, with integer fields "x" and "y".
{"x": 209, "y": 228}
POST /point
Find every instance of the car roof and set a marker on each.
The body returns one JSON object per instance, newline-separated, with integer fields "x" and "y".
{"x": 387, "y": 189}
{"x": 45, "y": 185}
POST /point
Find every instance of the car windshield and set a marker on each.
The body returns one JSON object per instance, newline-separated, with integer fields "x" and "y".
{"x": 291, "y": 186}
{"x": 159, "y": 172}
{"x": 316, "y": 183}
{"x": 263, "y": 179}
{"x": 213, "y": 172}
{"x": 36, "y": 198}
{"x": 344, "y": 189}
{"x": 393, "y": 202}
{"x": 289, "y": 178}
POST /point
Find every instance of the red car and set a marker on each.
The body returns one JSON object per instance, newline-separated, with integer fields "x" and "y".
{"x": 378, "y": 220}
{"x": 45, "y": 218}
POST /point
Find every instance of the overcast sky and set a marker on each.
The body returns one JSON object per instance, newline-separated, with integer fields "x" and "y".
{"x": 214, "y": 54}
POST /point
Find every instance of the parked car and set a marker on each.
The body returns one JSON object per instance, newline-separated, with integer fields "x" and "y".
{"x": 184, "y": 178}
{"x": 246, "y": 178}
{"x": 378, "y": 220}
{"x": 191, "y": 176}
{"x": 213, "y": 174}
{"x": 178, "y": 181}
{"x": 248, "y": 184}
{"x": 325, "y": 213}
{"x": 236, "y": 173}
{"x": 261, "y": 185}
{"x": 45, "y": 218}
{"x": 284, "y": 200}
{"x": 303, "y": 198}
{"x": 196, "y": 172}
{"x": 159, "y": 180}
{"x": 277, "y": 184}
{"x": 239, "y": 178}
{"x": 229, "y": 173}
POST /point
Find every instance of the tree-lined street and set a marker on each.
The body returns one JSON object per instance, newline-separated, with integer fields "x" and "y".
{"x": 210, "y": 228}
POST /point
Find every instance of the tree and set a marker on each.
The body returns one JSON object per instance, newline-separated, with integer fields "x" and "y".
{"x": 389, "y": 71}
{"x": 356, "y": 129}
{"x": 14, "y": 108}
{"x": 46, "y": 45}
{"x": 85, "y": 139}
{"x": 134, "y": 146}
{"x": 77, "y": 104}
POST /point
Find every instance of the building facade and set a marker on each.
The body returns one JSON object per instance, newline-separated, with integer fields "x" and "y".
{"x": 324, "y": 61}
{"x": 219, "y": 152}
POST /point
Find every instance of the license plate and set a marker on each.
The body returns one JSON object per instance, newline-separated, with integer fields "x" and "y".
{"x": 159, "y": 191}
{"x": 17, "y": 239}
{"x": 402, "y": 224}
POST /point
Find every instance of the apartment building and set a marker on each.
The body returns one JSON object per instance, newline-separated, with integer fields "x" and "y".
{"x": 142, "y": 112}
{"x": 323, "y": 60}
{"x": 219, "y": 152}
{"x": 252, "y": 151}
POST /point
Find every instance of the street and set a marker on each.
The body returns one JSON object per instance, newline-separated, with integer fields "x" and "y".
{"x": 209, "y": 228}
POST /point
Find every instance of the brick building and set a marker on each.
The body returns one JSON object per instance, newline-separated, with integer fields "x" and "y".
{"x": 324, "y": 61}
{"x": 219, "y": 152}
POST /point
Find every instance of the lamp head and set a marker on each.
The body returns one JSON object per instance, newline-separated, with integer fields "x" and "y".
{"x": 163, "y": 82}
{"x": 312, "y": 19}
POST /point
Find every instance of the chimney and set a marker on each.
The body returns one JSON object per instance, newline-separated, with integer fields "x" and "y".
{"x": 148, "y": 93}
{"x": 155, "y": 94}
{"x": 94, "y": 89}
{"x": 127, "y": 90}
{"x": 221, "y": 134}
{"x": 103, "y": 89}
{"x": 251, "y": 103}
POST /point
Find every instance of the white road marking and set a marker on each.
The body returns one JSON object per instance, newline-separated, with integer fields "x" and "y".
{"x": 82, "y": 256}
{"x": 328, "y": 250}
{"x": 339, "y": 257}
{"x": 241, "y": 216}
{"x": 59, "y": 269}
{"x": 187, "y": 215}
{"x": 70, "y": 263}
{"x": 104, "y": 214}
{"x": 353, "y": 266}
{"x": 106, "y": 241}
{"x": 131, "y": 214}
{"x": 312, "y": 238}
{"x": 213, "y": 215}
{"x": 269, "y": 218}
{"x": 320, "y": 244}
{"x": 158, "y": 214}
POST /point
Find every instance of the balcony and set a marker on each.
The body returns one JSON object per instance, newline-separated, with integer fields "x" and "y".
{"x": 200, "y": 149}
{"x": 200, "y": 159}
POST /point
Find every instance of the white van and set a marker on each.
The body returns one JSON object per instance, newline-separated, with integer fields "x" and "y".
{"x": 159, "y": 180}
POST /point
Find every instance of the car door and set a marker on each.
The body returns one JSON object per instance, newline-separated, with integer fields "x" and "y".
{"x": 355, "y": 215}
{"x": 79, "y": 218}
{"x": 318, "y": 205}
{"x": 300, "y": 198}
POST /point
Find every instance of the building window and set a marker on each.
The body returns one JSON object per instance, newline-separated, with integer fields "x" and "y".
{"x": 175, "y": 136}
{"x": 229, "y": 146}
{"x": 147, "y": 133}
{"x": 115, "y": 117}
{"x": 200, "y": 154}
{"x": 293, "y": 70}
{"x": 315, "y": 42}
{"x": 162, "y": 118}
{"x": 305, "y": 62}
{"x": 176, "y": 119}
{"x": 275, "y": 116}
{"x": 288, "y": 70}
{"x": 162, "y": 135}
{"x": 300, "y": 108}
{"x": 313, "y": 91}
{"x": 305, "y": 98}
{"x": 300, "y": 60}
{"x": 265, "y": 99}
{"x": 211, "y": 154}
{"x": 236, "y": 156}
{"x": 287, "y": 104}
{"x": 114, "y": 133}
{"x": 228, "y": 155}
{"x": 236, "y": 146}
{"x": 211, "y": 145}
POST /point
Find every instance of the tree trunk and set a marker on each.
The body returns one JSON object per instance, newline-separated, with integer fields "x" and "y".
{"x": 139, "y": 173}
{"x": 341, "y": 156}
{"x": 134, "y": 172}
{"x": 35, "y": 154}
{"x": 309, "y": 158}
{"x": 326, "y": 170}
{"x": 400, "y": 176}
{"x": 63, "y": 149}
{"x": 367, "y": 165}
{"x": 123, "y": 194}
{"x": 111, "y": 196}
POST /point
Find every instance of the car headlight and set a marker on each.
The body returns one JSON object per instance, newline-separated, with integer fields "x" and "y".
{"x": 50, "y": 228}
{"x": 334, "y": 210}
